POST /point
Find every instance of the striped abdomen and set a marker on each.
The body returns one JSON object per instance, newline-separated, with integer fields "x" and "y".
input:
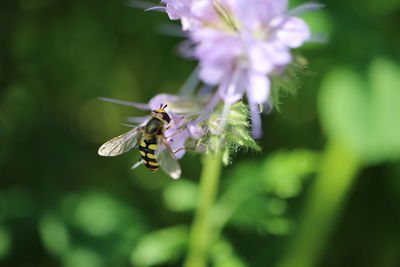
{"x": 147, "y": 149}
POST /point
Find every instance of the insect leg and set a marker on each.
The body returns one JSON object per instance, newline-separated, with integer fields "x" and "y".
{"x": 164, "y": 142}
{"x": 178, "y": 132}
{"x": 182, "y": 148}
{"x": 175, "y": 122}
{"x": 137, "y": 164}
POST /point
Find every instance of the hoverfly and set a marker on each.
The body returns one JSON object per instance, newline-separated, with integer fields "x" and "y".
{"x": 149, "y": 139}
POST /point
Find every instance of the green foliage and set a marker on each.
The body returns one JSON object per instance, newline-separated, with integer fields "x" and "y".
{"x": 98, "y": 214}
{"x": 160, "y": 246}
{"x": 181, "y": 195}
{"x": 255, "y": 197}
{"x": 88, "y": 225}
{"x": 288, "y": 82}
{"x": 363, "y": 113}
{"x": 5, "y": 242}
{"x": 284, "y": 172}
{"x": 82, "y": 257}
{"x": 222, "y": 254}
{"x": 234, "y": 135}
{"x": 54, "y": 234}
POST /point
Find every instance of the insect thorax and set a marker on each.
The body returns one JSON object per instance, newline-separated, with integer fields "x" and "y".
{"x": 154, "y": 127}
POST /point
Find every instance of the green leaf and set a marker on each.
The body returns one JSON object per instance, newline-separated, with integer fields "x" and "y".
{"x": 54, "y": 234}
{"x": 277, "y": 226}
{"x": 82, "y": 257}
{"x": 363, "y": 114}
{"x": 98, "y": 214}
{"x": 251, "y": 212}
{"x": 342, "y": 104}
{"x": 222, "y": 254}
{"x": 385, "y": 106}
{"x": 160, "y": 247}
{"x": 244, "y": 182}
{"x": 254, "y": 195}
{"x": 284, "y": 172}
{"x": 181, "y": 195}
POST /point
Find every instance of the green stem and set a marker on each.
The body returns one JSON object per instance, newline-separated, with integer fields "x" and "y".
{"x": 338, "y": 171}
{"x": 202, "y": 230}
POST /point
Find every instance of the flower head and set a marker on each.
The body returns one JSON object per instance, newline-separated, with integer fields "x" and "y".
{"x": 244, "y": 49}
{"x": 242, "y": 44}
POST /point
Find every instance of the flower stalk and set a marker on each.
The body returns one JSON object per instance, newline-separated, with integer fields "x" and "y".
{"x": 338, "y": 171}
{"x": 201, "y": 233}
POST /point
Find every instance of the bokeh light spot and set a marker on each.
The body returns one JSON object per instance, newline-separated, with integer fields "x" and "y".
{"x": 54, "y": 234}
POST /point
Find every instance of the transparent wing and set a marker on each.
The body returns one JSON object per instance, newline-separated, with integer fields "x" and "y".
{"x": 168, "y": 162}
{"x": 121, "y": 144}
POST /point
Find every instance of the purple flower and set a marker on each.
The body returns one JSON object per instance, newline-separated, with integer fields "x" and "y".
{"x": 240, "y": 44}
{"x": 242, "y": 58}
{"x": 192, "y": 13}
{"x": 178, "y": 9}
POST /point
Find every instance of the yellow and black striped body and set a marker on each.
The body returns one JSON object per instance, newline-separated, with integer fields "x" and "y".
{"x": 147, "y": 149}
{"x": 149, "y": 144}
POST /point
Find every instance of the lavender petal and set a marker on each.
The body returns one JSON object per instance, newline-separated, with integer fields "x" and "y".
{"x": 126, "y": 103}
{"x": 306, "y": 7}
{"x": 137, "y": 119}
{"x": 190, "y": 84}
{"x": 293, "y": 32}
{"x": 259, "y": 88}
{"x": 256, "y": 130}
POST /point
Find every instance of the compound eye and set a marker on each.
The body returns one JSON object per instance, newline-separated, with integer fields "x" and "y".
{"x": 166, "y": 117}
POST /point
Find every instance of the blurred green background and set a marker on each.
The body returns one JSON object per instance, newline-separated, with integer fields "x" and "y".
{"x": 325, "y": 191}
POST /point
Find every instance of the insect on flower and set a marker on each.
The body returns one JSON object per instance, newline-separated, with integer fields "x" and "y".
{"x": 153, "y": 146}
